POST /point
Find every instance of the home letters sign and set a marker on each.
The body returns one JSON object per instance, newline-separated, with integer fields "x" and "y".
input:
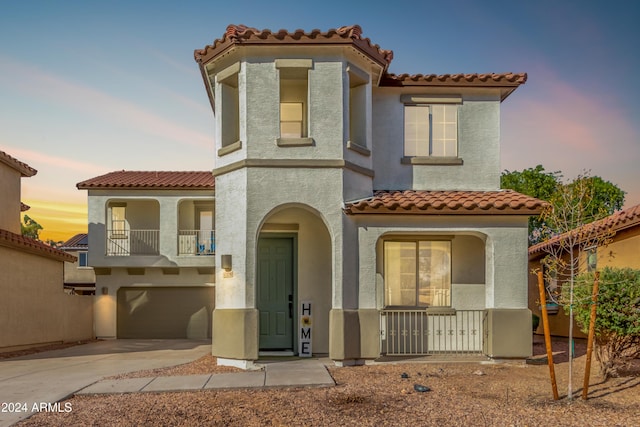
{"x": 305, "y": 329}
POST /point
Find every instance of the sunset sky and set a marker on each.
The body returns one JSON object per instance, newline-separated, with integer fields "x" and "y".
{"x": 90, "y": 87}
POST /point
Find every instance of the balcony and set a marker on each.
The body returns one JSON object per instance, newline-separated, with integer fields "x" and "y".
{"x": 133, "y": 242}
{"x": 196, "y": 242}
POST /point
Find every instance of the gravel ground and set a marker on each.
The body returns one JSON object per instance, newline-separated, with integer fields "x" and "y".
{"x": 461, "y": 394}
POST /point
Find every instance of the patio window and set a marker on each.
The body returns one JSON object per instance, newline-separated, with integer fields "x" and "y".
{"x": 417, "y": 273}
{"x": 118, "y": 221}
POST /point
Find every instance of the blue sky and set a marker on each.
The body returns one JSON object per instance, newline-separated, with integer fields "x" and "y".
{"x": 89, "y": 87}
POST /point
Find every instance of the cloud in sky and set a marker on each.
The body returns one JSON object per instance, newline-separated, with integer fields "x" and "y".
{"x": 37, "y": 82}
{"x": 565, "y": 128}
{"x": 37, "y": 159}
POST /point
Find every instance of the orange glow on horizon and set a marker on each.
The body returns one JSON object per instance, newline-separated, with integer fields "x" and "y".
{"x": 59, "y": 221}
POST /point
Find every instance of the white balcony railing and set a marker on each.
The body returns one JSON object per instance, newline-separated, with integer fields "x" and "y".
{"x": 196, "y": 242}
{"x": 419, "y": 332}
{"x": 132, "y": 242}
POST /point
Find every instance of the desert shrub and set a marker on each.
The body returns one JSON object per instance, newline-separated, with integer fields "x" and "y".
{"x": 617, "y": 329}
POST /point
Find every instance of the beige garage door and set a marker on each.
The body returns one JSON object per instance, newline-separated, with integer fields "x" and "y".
{"x": 166, "y": 312}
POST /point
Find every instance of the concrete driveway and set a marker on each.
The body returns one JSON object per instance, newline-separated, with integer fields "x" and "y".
{"x": 29, "y": 383}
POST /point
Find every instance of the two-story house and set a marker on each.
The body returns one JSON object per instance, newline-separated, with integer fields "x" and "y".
{"x": 354, "y": 208}
{"x": 374, "y": 196}
{"x": 151, "y": 244}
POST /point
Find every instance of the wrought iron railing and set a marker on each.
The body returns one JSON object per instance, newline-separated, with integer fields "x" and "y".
{"x": 196, "y": 242}
{"x": 421, "y": 332}
{"x": 133, "y": 242}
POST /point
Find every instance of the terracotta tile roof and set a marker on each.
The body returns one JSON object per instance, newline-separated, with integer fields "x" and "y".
{"x": 243, "y": 35}
{"x": 166, "y": 180}
{"x": 498, "y": 202}
{"x": 77, "y": 242}
{"x": 24, "y": 207}
{"x": 474, "y": 79}
{"x": 506, "y": 82}
{"x": 618, "y": 221}
{"x": 25, "y": 244}
{"x": 23, "y": 168}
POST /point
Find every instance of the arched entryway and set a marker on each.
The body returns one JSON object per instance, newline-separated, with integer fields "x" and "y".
{"x": 294, "y": 266}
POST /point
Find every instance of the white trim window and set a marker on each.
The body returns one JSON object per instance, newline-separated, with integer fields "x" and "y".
{"x": 417, "y": 273}
{"x": 431, "y": 130}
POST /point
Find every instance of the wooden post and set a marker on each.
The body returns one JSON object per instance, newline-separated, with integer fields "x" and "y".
{"x": 592, "y": 330}
{"x": 547, "y": 335}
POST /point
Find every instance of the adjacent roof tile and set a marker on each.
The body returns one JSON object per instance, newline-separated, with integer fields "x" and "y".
{"x": 17, "y": 241}
{"x": 24, "y": 207}
{"x": 79, "y": 241}
{"x": 202, "y": 180}
{"x": 505, "y": 202}
{"x": 474, "y": 79}
{"x": 616, "y": 222}
{"x": 23, "y": 168}
{"x": 241, "y": 34}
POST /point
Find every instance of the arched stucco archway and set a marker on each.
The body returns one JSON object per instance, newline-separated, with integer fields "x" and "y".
{"x": 312, "y": 266}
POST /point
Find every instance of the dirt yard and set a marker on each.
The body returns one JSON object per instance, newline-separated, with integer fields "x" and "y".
{"x": 378, "y": 395}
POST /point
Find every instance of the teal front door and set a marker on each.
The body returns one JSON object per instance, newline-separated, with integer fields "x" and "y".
{"x": 275, "y": 293}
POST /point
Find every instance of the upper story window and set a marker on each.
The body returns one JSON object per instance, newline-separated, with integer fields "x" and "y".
{"x": 82, "y": 259}
{"x": 358, "y": 81}
{"x": 430, "y": 127}
{"x": 230, "y": 105}
{"x": 294, "y": 98}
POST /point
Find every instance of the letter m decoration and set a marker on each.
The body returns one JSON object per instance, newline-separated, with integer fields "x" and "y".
{"x": 304, "y": 348}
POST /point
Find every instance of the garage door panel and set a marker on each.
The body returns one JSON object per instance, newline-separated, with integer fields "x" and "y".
{"x": 165, "y": 312}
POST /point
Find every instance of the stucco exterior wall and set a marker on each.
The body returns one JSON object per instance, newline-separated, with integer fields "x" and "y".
{"x": 10, "y": 196}
{"x": 76, "y": 274}
{"x": 504, "y": 272}
{"x": 152, "y": 209}
{"x": 34, "y": 308}
{"x": 478, "y": 146}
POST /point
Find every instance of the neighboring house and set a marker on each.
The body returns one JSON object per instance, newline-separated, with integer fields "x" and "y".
{"x": 621, "y": 250}
{"x": 374, "y": 197}
{"x": 34, "y": 309}
{"x": 79, "y": 277}
{"x": 151, "y": 244}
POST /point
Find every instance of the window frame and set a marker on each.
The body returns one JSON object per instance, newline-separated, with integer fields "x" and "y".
{"x": 85, "y": 255}
{"x": 229, "y": 95}
{"x": 294, "y": 70}
{"x": 120, "y": 231}
{"x": 429, "y": 103}
{"x": 416, "y": 241}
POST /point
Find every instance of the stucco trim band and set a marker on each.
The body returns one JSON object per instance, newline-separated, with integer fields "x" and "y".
{"x": 292, "y": 164}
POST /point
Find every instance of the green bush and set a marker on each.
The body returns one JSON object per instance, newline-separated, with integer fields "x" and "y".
{"x": 617, "y": 315}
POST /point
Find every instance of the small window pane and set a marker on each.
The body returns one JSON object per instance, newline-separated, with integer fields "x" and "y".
{"x": 82, "y": 259}
{"x": 290, "y": 111}
{"x": 400, "y": 273}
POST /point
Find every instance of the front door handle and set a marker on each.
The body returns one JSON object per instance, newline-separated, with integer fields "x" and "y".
{"x": 290, "y": 306}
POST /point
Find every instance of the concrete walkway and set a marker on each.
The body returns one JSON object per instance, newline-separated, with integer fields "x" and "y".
{"x": 295, "y": 373}
{"x": 36, "y": 382}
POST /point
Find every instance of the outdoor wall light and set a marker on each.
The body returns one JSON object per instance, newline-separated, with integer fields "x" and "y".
{"x": 225, "y": 261}
{"x": 105, "y": 290}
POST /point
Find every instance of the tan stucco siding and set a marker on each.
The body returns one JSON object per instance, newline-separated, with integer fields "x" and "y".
{"x": 34, "y": 308}
{"x": 10, "y": 196}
